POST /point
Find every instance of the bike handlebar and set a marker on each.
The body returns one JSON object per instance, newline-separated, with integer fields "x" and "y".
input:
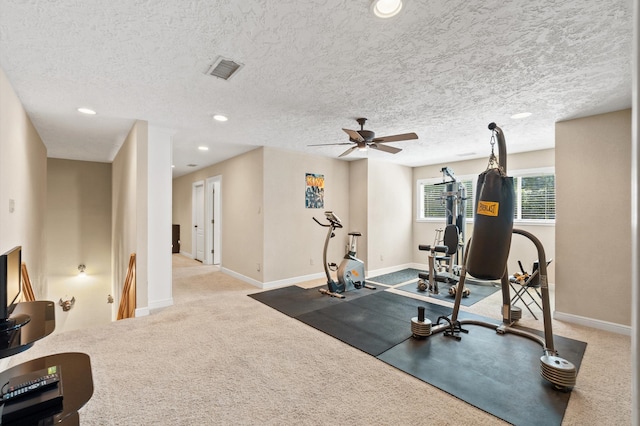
{"x": 332, "y": 221}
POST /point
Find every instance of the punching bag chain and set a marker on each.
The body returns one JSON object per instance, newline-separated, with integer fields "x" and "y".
{"x": 493, "y": 160}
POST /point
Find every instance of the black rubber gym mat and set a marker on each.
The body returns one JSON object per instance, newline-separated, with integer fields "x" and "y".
{"x": 294, "y": 300}
{"x": 373, "y": 323}
{"x": 478, "y": 292}
{"x": 396, "y": 277}
{"x": 499, "y": 374}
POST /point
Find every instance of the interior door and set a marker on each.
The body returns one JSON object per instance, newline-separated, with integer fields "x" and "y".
{"x": 213, "y": 226}
{"x": 213, "y": 220}
{"x": 199, "y": 223}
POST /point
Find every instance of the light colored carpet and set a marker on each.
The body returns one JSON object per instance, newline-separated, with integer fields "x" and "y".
{"x": 218, "y": 357}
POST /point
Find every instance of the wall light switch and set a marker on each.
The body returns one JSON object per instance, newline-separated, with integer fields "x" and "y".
{"x": 12, "y": 205}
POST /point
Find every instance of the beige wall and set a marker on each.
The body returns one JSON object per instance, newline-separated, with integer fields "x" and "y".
{"x": 23, "y": 181}
{"x": 78, "y": 229}
{"x": 373, "y": 197}
{"x": 268, "y": 176}
{"x": 293, "y": 242}
{"x": 593, "y": 240}
{"x": 358, "y": 211}
{"x": 521, "y": 248}
{"x": 264, "y": 222}
{"x": 242, "y": 207}
{"x": 389, "y": 208}
{"x": 125, "y": 227}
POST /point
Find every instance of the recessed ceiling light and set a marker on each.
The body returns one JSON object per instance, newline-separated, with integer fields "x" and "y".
{"x": 386, "y": 8}
{"x": 521, "y": 115}
{"x": 203, "y": 148}
{"x": 87, "y": 111}
{"x": 173, "y": 166}
{"x": 220, "y": 117}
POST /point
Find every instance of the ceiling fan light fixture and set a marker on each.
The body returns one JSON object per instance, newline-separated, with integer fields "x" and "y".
{"x": 386, "y": 8}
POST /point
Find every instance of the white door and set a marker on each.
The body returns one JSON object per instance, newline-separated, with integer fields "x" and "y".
{"x": 213, "y": 247}
{"x": 199, "y": 222}
{"x": 213, "y": 224}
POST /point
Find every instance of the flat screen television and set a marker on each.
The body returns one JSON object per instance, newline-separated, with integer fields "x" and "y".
{"x": 10, "y": 289}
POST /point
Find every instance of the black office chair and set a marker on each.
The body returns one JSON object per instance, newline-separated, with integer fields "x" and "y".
{"x": 522, "y": 284}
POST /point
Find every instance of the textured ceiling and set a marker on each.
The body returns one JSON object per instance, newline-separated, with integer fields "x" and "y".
{"x": 444, "y": 69}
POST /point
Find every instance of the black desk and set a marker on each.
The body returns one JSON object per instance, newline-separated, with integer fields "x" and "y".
{"x": 42, "y": 323}
{"x": 77, "y": 382}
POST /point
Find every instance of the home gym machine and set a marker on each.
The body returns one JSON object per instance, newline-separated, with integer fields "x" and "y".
{"x": 350, "y": 273}
{"x": 447, "y": 248}
{"x": 486, "y": 258}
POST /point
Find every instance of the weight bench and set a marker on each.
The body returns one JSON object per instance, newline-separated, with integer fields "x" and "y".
{"x": 439, "y": 254}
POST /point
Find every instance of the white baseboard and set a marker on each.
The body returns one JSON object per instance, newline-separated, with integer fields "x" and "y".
{"x": 159, "y": 304}
{"x": 303, "y": 278}
{"x": 185, "y": 254}
{"x": 241, "y": 277}
{"x": 141, "y": 312}
{"x": 291, "y": 281}
{"x": 272, "y": 284}
{"x": 560, "y": 316}
{"x": 593, "y": 323}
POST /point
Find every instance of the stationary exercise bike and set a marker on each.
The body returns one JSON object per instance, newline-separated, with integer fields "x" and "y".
{"x": 350, "y": 273}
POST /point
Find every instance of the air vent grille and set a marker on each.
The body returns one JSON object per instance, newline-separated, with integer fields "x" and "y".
{"x": 192, "y": 165}
{"x": 224, "y": 68}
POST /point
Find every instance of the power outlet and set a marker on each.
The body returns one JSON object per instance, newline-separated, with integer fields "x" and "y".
{"x": 381, "y": 258}
{"x": 311, "y": 261}
{"x": 258, "y": 267}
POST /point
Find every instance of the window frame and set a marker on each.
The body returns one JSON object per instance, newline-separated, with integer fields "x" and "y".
{"x": 430, "y": 181}
{"x": 516, "y": 174}
{"x": 539, "y": 171}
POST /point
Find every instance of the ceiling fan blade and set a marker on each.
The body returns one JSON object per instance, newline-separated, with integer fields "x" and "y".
{"x": 396, "y": 138}
{"x": 349, "y": 151}
{"x": 354, "y": 135}
{"x": 385, "y": 148}
{"x": 327, "y": 144}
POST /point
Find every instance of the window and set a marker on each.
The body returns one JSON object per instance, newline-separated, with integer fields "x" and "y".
{"x": 432, "y": 198}
{"x": 535, "y": 196}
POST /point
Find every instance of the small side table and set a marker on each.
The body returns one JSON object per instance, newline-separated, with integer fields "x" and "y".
{"x": 76, "y": 378}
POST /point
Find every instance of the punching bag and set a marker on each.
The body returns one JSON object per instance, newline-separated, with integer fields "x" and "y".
{"x": 492, "y": 225}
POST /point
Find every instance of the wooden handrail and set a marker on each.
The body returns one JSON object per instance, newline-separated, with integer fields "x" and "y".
{"x": 27, "y": 289}
{"x": 127, "y": 306}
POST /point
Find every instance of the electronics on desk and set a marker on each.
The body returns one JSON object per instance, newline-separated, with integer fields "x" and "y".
{"x": 34, "y": 395}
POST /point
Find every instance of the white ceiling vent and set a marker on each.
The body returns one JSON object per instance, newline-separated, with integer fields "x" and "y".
{"x": 224, "y": 68}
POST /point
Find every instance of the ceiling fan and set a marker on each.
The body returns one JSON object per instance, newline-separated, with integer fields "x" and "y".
{"x": 364, "y": 139}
